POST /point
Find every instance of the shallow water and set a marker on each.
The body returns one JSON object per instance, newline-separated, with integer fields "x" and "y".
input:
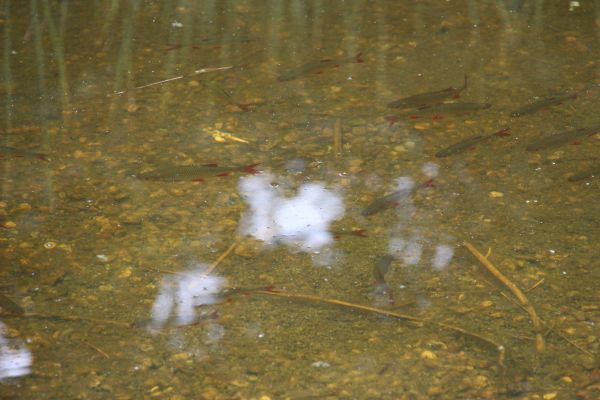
{"x": 111, "y": 270}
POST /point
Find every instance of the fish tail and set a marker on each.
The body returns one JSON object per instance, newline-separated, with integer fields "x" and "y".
{"x": 250, "y": 169}
{"x": 358, "y": 58}
{"x": 503, "y": 132}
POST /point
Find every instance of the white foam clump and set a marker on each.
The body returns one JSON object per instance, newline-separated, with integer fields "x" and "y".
{"x": 430, "y": 169}
{"x": 180, "y": 295}
{"x": 408, "y": 250}
{"x": 15, "y": 358}
{"x": 302, "y": 221}
{"x": 261, "y": 198}
{"x": 442, "y": 256}
{"x": 405, "y": 184}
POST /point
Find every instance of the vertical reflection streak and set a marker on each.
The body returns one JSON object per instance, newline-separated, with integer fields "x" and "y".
{"x": 57, "y": 41}
{"x": 8, "y": 98}
{"x": 109, "y": 19}
{"x": 44, "y": 100}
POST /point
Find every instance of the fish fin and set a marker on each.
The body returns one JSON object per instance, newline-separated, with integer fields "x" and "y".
{"x": 414, "y": 117}
{"x": 251, "y": 169}
{"x": 174, "y": 46}
{"x": 437, "y": 117}
{"x": 224, "y": 174}
{"x": 456, "y": 96}
{"x": 503, "y": 132}
{"x": 392, "y": 119}
{"x": 41, "y": 156}
{"x": 358, "y": 58}
{"x": 198, "y": 180}
{"x": 428, "y": 184}
{"x": 359, "y": 232}
{"x": 245, "y": 106}
{"x": 576, "y": 142}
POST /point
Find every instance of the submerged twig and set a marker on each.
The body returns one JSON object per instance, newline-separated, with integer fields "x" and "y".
{"x": 552, "y": 329}
{"x": 196, "y": 72}
{"x": 540, "y": 345}
{"x": 419, "y": 321}
{"x": 71, "y": 318}
{"x": 337, "y": 139}
{"x": 98, "y": 349}
{"x": 538, "y": 283}
{"x": 210, "y": 268}
{"x": 218, "y": 261}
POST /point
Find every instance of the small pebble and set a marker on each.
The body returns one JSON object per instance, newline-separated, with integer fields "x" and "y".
{"x": 566, "y": 379}
{"x": 321, "y": 364}
{"x": 24, "y": 207}
{"x": 78, "y": 154}
{"x": 428, "y": 355}
{"x": 8, "y": 224}
{"x": 421, "y": 126}
{"x": 103, "y": 258}
{"x": 435, "y": 391}
{"x": 126, "y": 273}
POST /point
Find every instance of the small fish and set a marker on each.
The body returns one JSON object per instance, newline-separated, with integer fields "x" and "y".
{"x": 211, "y": 43}
{"x": 381, "y": 267}
{"x": 439, "y": 111}
{"x": 18, "y": 153}
{"x": 429, "y": 98}
{"x": 337, "y": 234}
{"x": 393, "y": 199}
{"x": 385, "y": 202}
{"x": 561, "y": 138}
{"x": 10, "y": 305}
{"x": 470, "y": 142}
{"x": 317, "y": 67}
{"x": 542, "y": 104}
{"x": 194, "y": 173}
{"x": 589, "y": 173}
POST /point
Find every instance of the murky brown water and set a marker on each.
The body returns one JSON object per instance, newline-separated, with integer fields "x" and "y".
{"x": 111, "y": 270}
